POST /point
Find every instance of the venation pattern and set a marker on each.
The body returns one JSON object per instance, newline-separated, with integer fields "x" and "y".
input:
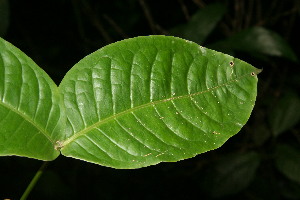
{"x": 30, "y": 117}
{"x": 151, "y": 101}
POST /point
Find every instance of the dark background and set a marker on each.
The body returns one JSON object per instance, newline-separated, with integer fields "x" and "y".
{"x": 260, "y": 162}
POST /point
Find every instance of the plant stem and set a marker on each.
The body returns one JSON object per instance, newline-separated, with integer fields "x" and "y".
{"x": 34, "y": 180}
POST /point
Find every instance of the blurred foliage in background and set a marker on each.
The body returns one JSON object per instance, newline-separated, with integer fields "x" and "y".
{"x": 261, "y": 162}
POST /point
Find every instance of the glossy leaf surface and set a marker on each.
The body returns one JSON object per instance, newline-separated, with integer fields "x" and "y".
{"x": 154, "y": 99}
{"x": 30, "y": 114}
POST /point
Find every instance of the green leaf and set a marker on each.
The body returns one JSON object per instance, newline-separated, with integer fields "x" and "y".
{"x": 154, "y": 99}
{"x": 257, "y": 41}
{"x": 288, "y": 161}
{"x": 285, "y": 114}
{"x": 231, "y": 174}
{"x": 201, "y": 24}
{"x": 30, "y": 107}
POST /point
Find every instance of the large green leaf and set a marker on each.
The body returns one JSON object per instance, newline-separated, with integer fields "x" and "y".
{"x": 153, "y": 99}
{"x": 30, "y": 107}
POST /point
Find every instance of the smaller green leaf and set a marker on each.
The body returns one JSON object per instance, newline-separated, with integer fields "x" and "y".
{"x": 231, "y": 174}
{"x": 288, "y": 161}
{"x": 285, "y": 114}
{"x": 201, "y": 24}
{"x": 31, "y": 114}
{"x": 257, "y": 41}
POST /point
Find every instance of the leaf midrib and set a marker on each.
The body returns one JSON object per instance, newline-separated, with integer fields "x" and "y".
{"x": 82, "y": 132}
{"x": 28, "y": 119}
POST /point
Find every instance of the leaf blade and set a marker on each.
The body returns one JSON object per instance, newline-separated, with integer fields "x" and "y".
{"x": 30, "y": 107}
{"x": 146, "y": 108}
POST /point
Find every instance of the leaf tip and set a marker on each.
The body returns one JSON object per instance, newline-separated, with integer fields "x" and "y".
{"x": 257, "y": 71}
